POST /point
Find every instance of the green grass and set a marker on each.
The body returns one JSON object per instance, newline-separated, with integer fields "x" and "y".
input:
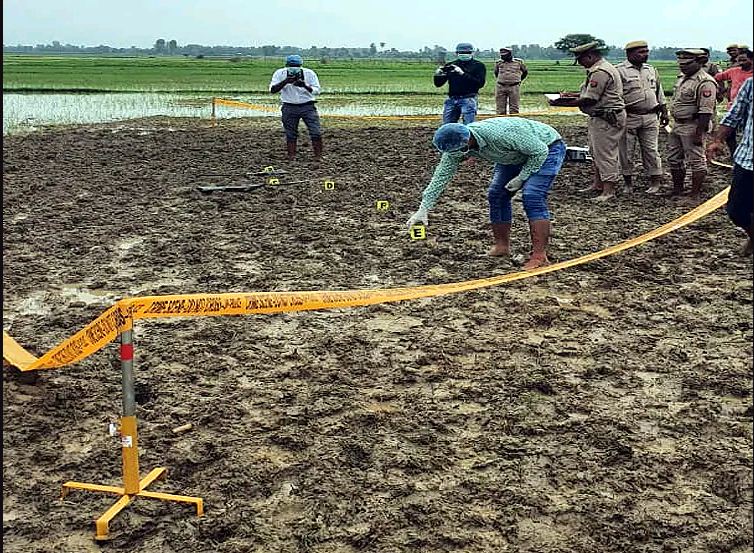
{"x": 26, "y": 73}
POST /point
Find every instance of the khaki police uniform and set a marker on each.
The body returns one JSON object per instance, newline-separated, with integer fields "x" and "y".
{"x": 603, "y": 84}
{"x": 692, "y": 96}
{"x": 643, "y": 95}
{"x": 509, "y": 75}
{"x": 711, "y": 68}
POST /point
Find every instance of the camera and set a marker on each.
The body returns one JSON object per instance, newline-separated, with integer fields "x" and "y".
{"x": 296, "y": 72}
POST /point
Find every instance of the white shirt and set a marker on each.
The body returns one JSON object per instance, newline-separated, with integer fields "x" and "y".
{"x": 291, "y": 94}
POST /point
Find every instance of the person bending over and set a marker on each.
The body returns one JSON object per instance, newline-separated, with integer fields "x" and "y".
{"x": 527, "y": 155}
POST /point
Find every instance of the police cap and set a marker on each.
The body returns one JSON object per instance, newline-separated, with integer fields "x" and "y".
{"x": 690, "y": 53}
{"x": 584, "y": 48}
{"x": 636, "y": 44}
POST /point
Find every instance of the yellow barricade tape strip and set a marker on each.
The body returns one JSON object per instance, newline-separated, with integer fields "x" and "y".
{"x": 720, "y": 164}
{"x": 259, "y": 107}
{"x": 237, "y": 104}
{"x": 120, "y": 316}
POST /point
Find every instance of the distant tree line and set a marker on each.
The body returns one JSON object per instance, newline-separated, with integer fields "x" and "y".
{"x": 162, "y": 47}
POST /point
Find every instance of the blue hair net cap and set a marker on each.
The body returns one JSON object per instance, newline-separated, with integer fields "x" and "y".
{"x": 294, "y": 60}
{"x": 451, "y": 137}
{"x": 464, "y": 47}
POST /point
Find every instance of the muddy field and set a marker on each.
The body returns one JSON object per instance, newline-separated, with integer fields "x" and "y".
{"x": 603, "y": 408}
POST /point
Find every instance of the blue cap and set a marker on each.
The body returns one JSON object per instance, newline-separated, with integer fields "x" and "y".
{"x": 451, "y": 137}
{"x": 295, "y": 60}
{"x": 464, "y": 47}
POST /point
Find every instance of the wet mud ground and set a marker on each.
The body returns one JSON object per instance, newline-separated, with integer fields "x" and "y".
{"x": 602, "y": 408}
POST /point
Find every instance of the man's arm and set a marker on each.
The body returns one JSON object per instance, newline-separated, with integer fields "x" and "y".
{"x": 524, "y": 70}
{"x": 536, "y": 153}
{"x": 314, "y": 83}
{"x": 737, "y": 116}
{"x": 441, "y": 177}
{"x": 662, "y": 107}
{"x": 277, "y": 87}
{"x": 478, "y": 74}
{"x": 706, "y": 106}
{"x": 722, "y": 76}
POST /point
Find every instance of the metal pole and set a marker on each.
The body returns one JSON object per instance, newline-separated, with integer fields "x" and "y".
{"x": 127, "y": 370}
{"x": 128, "y": 438}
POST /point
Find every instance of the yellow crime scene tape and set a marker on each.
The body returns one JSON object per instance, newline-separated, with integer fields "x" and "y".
{"x": 121, "y": 315}
{"x": 260, "y": 107}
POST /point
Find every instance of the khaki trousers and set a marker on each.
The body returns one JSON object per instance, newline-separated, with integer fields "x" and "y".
{"x": 604, "y": 144}
{"x": 644, "y": 130}
{"x": 682, "y": 151}
{"x": 507, "y": 98}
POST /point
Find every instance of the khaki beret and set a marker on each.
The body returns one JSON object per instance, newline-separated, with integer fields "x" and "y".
{"x": 729, "y": 46}
{"x": 690, "y": 53}
{"x": 636, "y": 44}
{"x": 506, "y": 48}
{"x": 743, "y": 47}
{"x": 582, "y": 49}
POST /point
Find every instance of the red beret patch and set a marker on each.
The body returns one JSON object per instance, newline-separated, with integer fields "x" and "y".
{"x": 706, "y": 93}
{"x": 593, "y": 83}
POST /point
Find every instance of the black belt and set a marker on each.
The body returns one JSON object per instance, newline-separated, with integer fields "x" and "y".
{"x": 684, "y": 119}
{"x": 299, "y": 105}
{"x": 464, "y": 96}
{"x": 601, "y": 112}
{"x": 641, "y": 111}
{"x": 510, "y": 84}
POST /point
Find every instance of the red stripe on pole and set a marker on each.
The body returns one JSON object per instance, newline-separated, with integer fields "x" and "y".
{"x": 126, "y": 352}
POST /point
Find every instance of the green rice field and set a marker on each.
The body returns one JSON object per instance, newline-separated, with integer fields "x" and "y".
{"x": 55, "y": 90}
{"x": 24, "y": 73}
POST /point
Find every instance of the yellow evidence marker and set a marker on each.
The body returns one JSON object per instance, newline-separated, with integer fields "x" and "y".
{"x": 273, "y": 180}
{"x": 383, "y": 205}
{"x": 329, "y": 184}
{"x": 268, "y": 169}
{"x": 418, "y": 232}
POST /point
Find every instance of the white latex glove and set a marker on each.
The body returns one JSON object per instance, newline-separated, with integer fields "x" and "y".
{"x": 457, "y": 70}
{"x": 515, "y": 184}
{"x": 439, "y": 71}
{"x": 419, "y": 217}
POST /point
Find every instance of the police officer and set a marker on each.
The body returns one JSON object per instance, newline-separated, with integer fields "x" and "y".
{"x": 645, "y": 102}
{"x": 693, "y": 105}
{"x": 601, "y": 98}
{"x": 732, "y": 51}
{"x": 465, "y": 76}
{"x": 509, "y": 73}
{"x": 710, "y": 67}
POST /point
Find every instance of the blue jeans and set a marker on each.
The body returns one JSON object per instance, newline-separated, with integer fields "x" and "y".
{"x": 535, "y": 189}
{"x": 454, "y": 108}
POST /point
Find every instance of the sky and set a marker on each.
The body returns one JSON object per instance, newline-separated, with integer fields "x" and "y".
{"x": 400, "y": 24}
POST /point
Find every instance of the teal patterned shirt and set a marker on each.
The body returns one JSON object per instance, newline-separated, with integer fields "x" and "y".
{"x": 505, "y": 140}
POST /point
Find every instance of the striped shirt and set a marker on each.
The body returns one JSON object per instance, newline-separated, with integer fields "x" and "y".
{"x": 739, "y": 115}
{"x": 504, "y": 140}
